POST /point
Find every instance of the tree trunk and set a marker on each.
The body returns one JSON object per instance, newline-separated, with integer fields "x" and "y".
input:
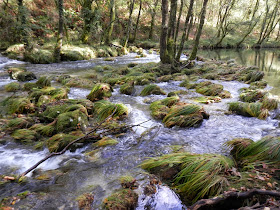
{"x": 87, "y": 16}
{"x": 137, "y": 21}
{"x": 202, "y": 18}
{"x": 187, "y": 25}
{"x": 151, "y": 33}
{"x": 23, "y": 35}
{"x": 163, "y": 35}
{"x": 129, "y": 24}
{"x": 58, "y": 46}
{"x": 112, "y": 20}
{"x": 178, "y": 20}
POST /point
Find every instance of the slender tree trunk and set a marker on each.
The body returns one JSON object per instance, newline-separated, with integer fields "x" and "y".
{"x": 58, "y": 46}
{"x": 129, "y": 24}
{"x": 187, "y": 25}
{"x": 202, "y": 18}
{"x": 164, "y": 29}
{"x": 137, "y": 21}
{"x": 178, "y": 20}
{"x": 189, "y": 28}
{"x": 112, "y": 21}
{"x": 87, "y": 16}
{"x": 22, "y": 20}
{"x": 151, "y": 33}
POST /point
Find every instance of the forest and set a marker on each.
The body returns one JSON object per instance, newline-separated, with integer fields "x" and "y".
{"x": 139, "y": 104}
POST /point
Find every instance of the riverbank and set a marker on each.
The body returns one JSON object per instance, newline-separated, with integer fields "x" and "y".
{"x": 97, "y": 170}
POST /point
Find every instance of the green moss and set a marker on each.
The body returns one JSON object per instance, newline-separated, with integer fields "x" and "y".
{"x": 251, "y": 95}
{"x": 105, "y": 141}
{"x": 39, "y": 56}
{"x": 55, "y": 93}
{"x": 127, "y": 88}
{"x": 104, "y": 109}
{"x": 254, "y": 76}
{"x": 24, "y": 135}
{"x": 74, "y": 53}
{"x": 249, "y": 109}
{"x": 258, "y": 85}
{"x": 187, "y": 115}
{"x": 71, "y": 120}
{"x": 44, "y": 130}
{"x": 152, "y": 89}
{"x": 52, "y": 112}
{"x": 269, "y": 103}
{"x": 44, "y": 99}
{"x": 165, "y": 78}
{"x": 57, "y": 142}
{"x": 100, "y": 91}
{"x": 29, "y": 86}
{"x": 185, "y": 83}
{"x": 209, "y": 88}
{"x": 178, "y": 92}
{"x": 122, "y": 199}
{"x": 36, "y": 93}
{"x": 237, "y": 145}
{"x": 20, "y": 106}
{"x": 43, "y": 82}
{"x": 12, "y": 87}
{"x": 208, "y": 100}
{"x": 18, "y": 123}
{"x": 78, "y": 82}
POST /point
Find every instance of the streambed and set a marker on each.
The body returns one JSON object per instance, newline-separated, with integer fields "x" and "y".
{"x": 151, "y": 139}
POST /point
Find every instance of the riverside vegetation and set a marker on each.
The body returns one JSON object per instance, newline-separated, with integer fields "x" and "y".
{"x": 41, "y": 115}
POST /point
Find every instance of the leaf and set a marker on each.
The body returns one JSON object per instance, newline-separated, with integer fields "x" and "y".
{"x": 269, "y": 185}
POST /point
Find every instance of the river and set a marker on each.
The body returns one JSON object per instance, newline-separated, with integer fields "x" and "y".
{"x": 152, "y": 139}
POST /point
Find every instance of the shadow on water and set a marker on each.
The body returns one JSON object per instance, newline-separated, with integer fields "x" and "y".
{"x": 268, "y": 60}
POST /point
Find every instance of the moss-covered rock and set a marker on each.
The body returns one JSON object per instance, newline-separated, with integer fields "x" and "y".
{"x": 39, "y": 56}
{"x": 105, "y": 141}
{"x": 127, "y": 88}
{"x": 122, "y": 199}
{"x": 19, "y": 106}
{"x": 254, "y": 76}
{"x": 161, "y": 108}
{"x": 29, "y": 86}
{"x": 178, "y": 92}
{"x": 269, "y": 103}
{"x": 249, "y": 109}
{"x": 54, "y": 93}
{"x": 26, "y": 76}
{"x": 165, "y": 78}
{"x": 152, "y": 89}
{"x": 14, "y": 72}
{"x": 12, "y": 87}
{"x": 186, "y": 115}
{"x": 44, "y": 99}
{"x": 74, "y": 53}
{"x": 251, "y": 95}
{"x": 100, "y": 91}
{"x": 104, "y": 109}
{"x": 19, "y": 123}
{"x": 14, "y": 51}
{"x": 208, "y": 100}
{"x": 25, "y": 135}
{"x": 44, "y": 130}
{"x": 57, "y": 142}
{"x": 43, "y": 82}
{"x": 72, "y": 120}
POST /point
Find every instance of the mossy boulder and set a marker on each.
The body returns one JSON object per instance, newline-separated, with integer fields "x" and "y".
{"x": 152, "y": 90}
{"x": 127, "y": 88}
{"x": 74, "y": 53}
{"x": 105, "y": 141}
{"x": 104, "y": 109}
{"x": 100, "y": 91}
{"x": 19, "y": 106}
{"x": 210, "y": 89}
{"x": 43, "y": 82}
{"x": 251, "y": 95}
{"x": 25, "y": 135}
{"x": 208, "y": 100}
{"x": 165, "y": 78}
{"x": 12, "y": 87}
{"x": 44, "y": 130}
{"x": 178, "y": 92}
{"x": 122, "y": 199}
{"x": 19, "y": 123}
{"x": 44, "y": 99}
{"x": 14, "y": 72}
{"x": 258, "y": 85}
{"x": 72, "y": 120}
{"x": 249, "y": 109}
{"x": 161, "y": 108}
{"x": 26, "y": 76}
{"x": 185, "y": 115}
{"x": 39, "y": 56}
{"x": 57, "y": 142}
{"x": 269, "y": 103}
{"x": 55, "y": 93}
{"x": 29, "y": 86}
{"x": 14, "y": 51}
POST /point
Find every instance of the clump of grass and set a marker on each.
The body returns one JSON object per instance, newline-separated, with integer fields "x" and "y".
{"x": 251, "y": 95}
{"x": 127, "y": 88}
{"x": 152, "y": 89}
{"x": 100, "y": 91}
{"x": 160, "y": 108}
{"x": 24, "y": 135}
{"x": 198, "y": 175}
{"x": 43, "y": 82}
{"x": 12, "y": 87}
{"x": 249, "y": 109}
{"x": 104, "y": 109}
{"x": 237, "y": 145}
{"x": 269, "y": 103}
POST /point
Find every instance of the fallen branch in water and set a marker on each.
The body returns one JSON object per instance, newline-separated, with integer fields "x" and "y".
{"x": 228, "y": 197}
{"x": 68, "y": 145}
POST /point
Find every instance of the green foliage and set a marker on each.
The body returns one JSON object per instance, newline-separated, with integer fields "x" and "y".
{"x": 18, "y": 123}
{"x": 127, "y": 88}
{"x": 209, "y": 89}
{"x": 44, "y": 130}
{"x": 122, "y": 199}
{"x": 29, "y": 86}
{"x": 105, "y": 141}
{"x": 104, "y": 109}
{"x": 249, "y": 109}
{"x": 19, "y": 106}
{"x": 198, "y": 175}
{"x": 269, "y": 103}
{"x": 100, "y": 91}
{"x": 237, "y": 145}
{"x": 251, "y": 95}
{"x": 254, "y": 76}
{"x": 24, "y": 135}
{"x": 152, "y": 89}
{"x": 43, "y": 82}
{"x": 188, "y": 115}
{"x": 12, "y": 87}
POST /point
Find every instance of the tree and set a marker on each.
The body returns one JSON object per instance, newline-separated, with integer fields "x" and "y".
{"x": 198, "y": 34}
{"x": 153, "y": 14}
{"x": 57, "y": 50}
{"x": 22, "y": 23}
{"x": 137, "y": 21}
{"x": 163, "y": 35}
{"x": 112, "y": 20}
{"x": 131, "y": 7}
{"x": 87, "y": 15}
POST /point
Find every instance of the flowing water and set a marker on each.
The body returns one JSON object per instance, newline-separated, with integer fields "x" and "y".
{"x": 150, "y": 139}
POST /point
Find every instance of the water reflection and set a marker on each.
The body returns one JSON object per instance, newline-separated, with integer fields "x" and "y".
{"x": 268, "y": 60}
